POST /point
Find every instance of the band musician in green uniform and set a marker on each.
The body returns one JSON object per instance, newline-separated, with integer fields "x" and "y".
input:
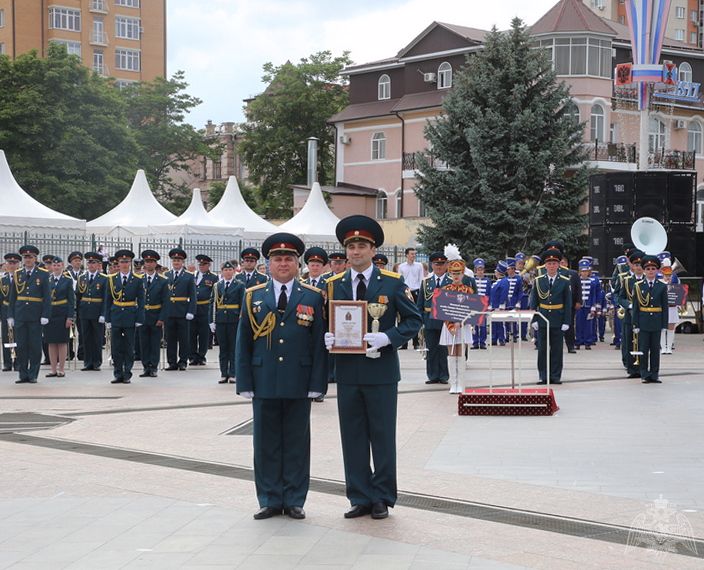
{"x": 156, "y": 294}
{"x": 12, "y": 262}
{"x": 225, "y": 309}
{"x": 624, "y": 297}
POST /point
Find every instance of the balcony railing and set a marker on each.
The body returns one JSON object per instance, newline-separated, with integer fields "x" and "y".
{"x": 100, "y": 6}
{"x": 101, "y": 70}
{"x": 99, "y": 38}
{"x": 411, "y": 161}
{"x": 627, "y": 153}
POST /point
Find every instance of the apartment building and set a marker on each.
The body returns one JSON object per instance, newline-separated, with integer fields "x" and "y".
{"x": 124, "y": 39}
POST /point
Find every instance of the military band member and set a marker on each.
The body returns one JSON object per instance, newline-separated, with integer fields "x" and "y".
{"x": 225, "y": 308}
{"x": 75, "y": 260}
{"x": 624, "y": 299}
{"x": 249, "y": 274}
{"x": 124, "y": 313}
{"x": 180, "y": 311}
{"x": 526, "y": 285}
{"x": 338, "y": 263}
{"x": 200, "y": 325}
{"x": 436, "y": 357}
{"x": 483, "y": 288}
{"x": 281, "y": 365}
{"x": 551, "y": 296}
{"x": 63, "y": 315}
{"x": 380, "y": 260}
{"x": 585, "y": 330}
{"x": 90, "y": 297}
{"x": 497, "y": 299}
{"x": 156, "y": 294}
{"x": 368, "y": 385}
{"x": 515, "y": 294}
{"x": 315, "y": 258}
{"x": 29, "y": 311}
{"x": 137, "y": 268}
{"x": 12, "y": 262}
{"x": 650, "y": 318}
{"x": 75, "y": 270}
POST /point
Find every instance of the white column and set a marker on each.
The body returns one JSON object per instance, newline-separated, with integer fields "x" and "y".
{"x": 643, "y": 146}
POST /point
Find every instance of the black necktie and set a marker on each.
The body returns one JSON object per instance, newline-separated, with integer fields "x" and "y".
{"x": 438, "y": 282}
{"x": 124, "y": 281}
{"x": 361, "y": 287}
{"x": 227, "y": 284}
{"x": 56, "y": 281}
{"x": 281, "y": 305}
{"x": 149, "y": 280}
{"x": 247, "y": 278}
{"x": 90, "y": 280}
{"x": 550, "y": 280}
{"x": 314, "y": 282}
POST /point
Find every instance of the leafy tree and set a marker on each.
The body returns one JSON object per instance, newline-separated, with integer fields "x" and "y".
{"x": 515, "y": 175}
{"x": 296, "y": 105}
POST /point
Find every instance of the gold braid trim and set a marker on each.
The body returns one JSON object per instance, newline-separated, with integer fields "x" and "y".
{"x": 644, "y": 302}
{"x": 82, "y": 284}
{"x": 19, "y": 285}
{"x": 541, "y": 294}
{"x": 111, "y": 280}
{"x": 265, "y": 328}
{"x": 5, "y": 290}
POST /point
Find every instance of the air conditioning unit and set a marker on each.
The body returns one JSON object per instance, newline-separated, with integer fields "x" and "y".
{"x": 429, "y": 77}
{"x": 680, "y": 124}
{"x": 344, "y": 139}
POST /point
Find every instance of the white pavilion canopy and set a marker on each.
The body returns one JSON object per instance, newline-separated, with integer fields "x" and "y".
{"x": 233, "y": 210}
{"x": 315, "y": 221}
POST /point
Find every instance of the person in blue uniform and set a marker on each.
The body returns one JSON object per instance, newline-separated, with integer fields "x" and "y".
{"x": 249, "y": 274}
{"x": 625, "y": 299}
{"x": 368, "y": 384}
{"x": 156, "y": 294}
{"x": 514, "y": 296}
{"x": 12, "y": 262}
{"x": 29, "y": 310}
{"x": 484, "y": 289}
{"x": 124, "y": 313}
{"x": 436, "y": 367}
{"x": 650, "y": 317}
{"x": 200, "y": 325}
{"x": 281, "y": 364}
{"x": 585, "y": 331}
{"x": 63, "y": 315}
{"x": 551, "y": 296}
{"x": 380, "y": 261}
{"x": 180, "y": 311}
{"x": 315, "y": 258}
{"x": 498, "y": 298}
{"x": 225, "y": 309}
{"x": 90, "y": 297}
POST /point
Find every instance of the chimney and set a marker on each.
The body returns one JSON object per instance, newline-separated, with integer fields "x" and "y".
{"x": 312, "y": 170}
{"x": 209, "y": 128}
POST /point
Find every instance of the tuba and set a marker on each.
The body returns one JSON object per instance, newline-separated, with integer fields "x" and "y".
{"x": 649, "y": 236}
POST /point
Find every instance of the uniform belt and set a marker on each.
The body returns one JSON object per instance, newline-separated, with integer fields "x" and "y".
{"x": 203, "y": 302}
{"x": 125, "y": 303}
{"x": 544, "y": 306}
{"x": 60, "y": 302}
{"x": 179, "y": 299}
{"x": 152, "y": 307}
{"x": 428, "y": 310}
{"x": 91, "y": 299}
{"x": 32, "y": 299}
{"x": 651, "y": 309}
{"x": 228, "y": 306}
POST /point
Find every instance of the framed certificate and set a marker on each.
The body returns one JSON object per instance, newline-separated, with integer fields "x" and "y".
{"x": 348, "y": 322}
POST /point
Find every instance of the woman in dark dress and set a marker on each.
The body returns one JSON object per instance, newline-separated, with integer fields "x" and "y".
{"x": 63, "y": 314}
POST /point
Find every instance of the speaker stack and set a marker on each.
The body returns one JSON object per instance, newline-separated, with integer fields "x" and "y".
{"x": 618, "y": 199}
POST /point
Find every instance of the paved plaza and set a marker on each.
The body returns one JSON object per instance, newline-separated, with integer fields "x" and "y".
{"x": 158, "y": 474}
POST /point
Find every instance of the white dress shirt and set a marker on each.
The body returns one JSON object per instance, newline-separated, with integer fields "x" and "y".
{"x": 367, "y": 278}
{"x": 277, "y": 289}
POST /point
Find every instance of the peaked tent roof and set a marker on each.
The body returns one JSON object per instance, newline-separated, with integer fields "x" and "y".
{"x": 196, "y": 215}
{"x": 233, "y": 210}
{"x": 20, "y": 210}
{"x": 138, "y": 209}
{"x": 315, "y": 218}
{"x": 571, "y": 16}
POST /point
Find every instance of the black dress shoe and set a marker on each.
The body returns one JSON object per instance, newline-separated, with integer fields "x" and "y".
{"x": 319, "y": 399}
{"x": 181, "y": 366}
{"x": 231, "y": 379}
{"x": 7, "y": 369}
{"x": 295, "y": 512}
{"x": 358, "y": 511}
{"x": 442, "y": 381}
{"x": 555, "y": 381}
{"x": 634, "y": 375}
{"x": 86, "y": 368}
{"x": 380, "y": 511}
{"x": 572, "y": 351}
{"x": 152, "y": 373}
{"x": 171, "y": 367}
{"x": 144, "y": 374}
{"x": 126, "y": 381}
{"x": 20, "y": 381}
{"x": 32, "y": 380}
{"x": 266, "y": 513}
{"x": 222, "y": 381}
{"x": 541, "y": 382}
{"x": 116, "y": 381}
{"x": 587, "y": 347}
{"x": 432, "y": 381}
{"x": 192, "y": 363}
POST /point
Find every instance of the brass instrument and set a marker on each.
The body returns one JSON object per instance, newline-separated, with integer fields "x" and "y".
{"x": 621, "y": 313}
{"x": 73, "y": 336}
{"x": 422, "y": 348}
{"x": 635, "y": 352}
{"x": 108, "y": 344}
{"x": 11, "y": 344}
{"x": 528, "y": 273}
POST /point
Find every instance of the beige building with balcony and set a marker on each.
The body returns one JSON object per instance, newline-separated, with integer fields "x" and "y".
{"x": 124, "y": 39}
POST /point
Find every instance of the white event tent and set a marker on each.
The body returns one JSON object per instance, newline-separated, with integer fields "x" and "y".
{"x": 233, "y": 210}
{"x": 20, "y": 212}
{"x": 134, "y": 214}
{"x": 315, "y": 221}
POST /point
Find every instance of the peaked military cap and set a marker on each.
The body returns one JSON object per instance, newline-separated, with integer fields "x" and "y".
{"x": 227, "y": 265}
{"x": 283, "y": 242}
{"x": 338, "y": 256}
{"x": 584, "y": 265}
{"x": 150, "y": 255}
{"x": 552, "y": 254}
{"x": 203, "y": 258}
{"x": 359, "y": 228}
{"x": 636, "y": 256}
{"x": 93, "y": 256}
{"x": 380, "y": 259}
{"x": 56, "y": 259}
{"x": 650, "y": 261}
{"x": 138, "y": 261}
{"x": 73, "y": 255}
{"x": 177, "y": 253}
{"x": 123, "y": 254}
{"x": 13, "y": 257}
{"x": 555, "y": 244}
{"x": 48, "y": 258}
{"x": 250, "y": 252}
{"x": 316, "y": 254}
{"x": 29, "y": 250}
{"x": 437, "y": 256}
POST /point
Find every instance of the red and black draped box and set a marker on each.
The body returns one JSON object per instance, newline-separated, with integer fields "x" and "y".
{"x": 507, "y": 402}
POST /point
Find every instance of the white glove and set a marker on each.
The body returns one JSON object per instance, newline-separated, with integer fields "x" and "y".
{"x": 630, "y": 305}
{"x": 10, "y": 322}
{"x": 377, "y": 340}
{"x": 138, "y": 325}
{"x": 565, "y": 328}
{"x": 212, "y": 327}
{"x": 502, "y": 306}
{"x": 248, "y": 395}
{"x": 101, "y": 320}
{"x": 313, "y": 395}
{"x": 44, "y": 321}
{"x": 590, "y": 316}
{"x": 636, "y": 331}
{"x": 108, "y": 326}
{"x": 189, "y": 316}
{"x": 535, "y": 326}
{"x": 329, "y": 340}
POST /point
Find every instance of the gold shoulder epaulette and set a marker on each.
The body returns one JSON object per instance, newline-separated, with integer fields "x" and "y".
{"x": 255, "y": 287}
{"x": 111, "y": 274}
{"x": 335, "y": 277}
{"x": 388, "y": 273}
{"x": 189, "y": 272}
{"x": 565, "y": 277}
{"x": 139, "y": 275}
{"x": 106, "y": 274}
{"x": 43, "y": 269}
{"x": 311, "y": 288}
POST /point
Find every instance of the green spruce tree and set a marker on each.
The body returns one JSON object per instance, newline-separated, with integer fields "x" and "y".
{"x": 515, "y": 174}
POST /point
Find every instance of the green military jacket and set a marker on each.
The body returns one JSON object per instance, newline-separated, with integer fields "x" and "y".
{"x": 554, "y": 303}
{"x": 650, "y": 308}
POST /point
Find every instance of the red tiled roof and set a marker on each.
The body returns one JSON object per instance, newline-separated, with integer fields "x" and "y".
{"x": 571, "y": 16}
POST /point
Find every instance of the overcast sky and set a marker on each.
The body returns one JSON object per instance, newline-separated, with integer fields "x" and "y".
{"x": 222, "y": 44}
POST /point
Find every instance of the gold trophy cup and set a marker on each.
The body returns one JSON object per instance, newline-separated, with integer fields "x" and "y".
{"x": 375, "y": 310}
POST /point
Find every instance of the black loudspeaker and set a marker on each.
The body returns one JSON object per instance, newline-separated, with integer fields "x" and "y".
{"x": 650, "y": 193}
{"x": 681, "y": 191}
{"x": 597, "y": 247}
{"x": 619, "y": 198}
{"x": 597, "y": 199}
{"x": 682, "y": 244}
{"x": 617, "y": 236}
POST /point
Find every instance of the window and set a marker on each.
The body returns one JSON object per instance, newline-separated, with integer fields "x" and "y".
{"x": 680, "y": 12}
{"x": 378, "y": 146}
{"x": 679, "y": 35}
{"x": 2, "y": 48}
{"x": 128, "y": 3}
{"x": 65, "y": 19}
{"x": 217, "y": 169}
{"x": 693, "y": 16}
{"x": 693, "y": 37}
{"x": 124, "y": 84}
{"x": 399, "y": 203}
{"x": 684, "y": 71}
{"x": 72, "y": 48}
{"x": 694, "y": 137}
{"x": 572, "y": 111}
{"x": 128, "y": 59}
{"x": 622, "y": 20}
{"x": 381, "y": 205}
{"x": 656, "y": 135}
{"x": 99, "y": 62}
{"x": 99, "y": 36}
{"x": 2, "y": 18}
{"x": 444, "y": 76}
{"x": 127, "y": 28}
{"x": 597, "y": 123}
{"x": 384, "y": 87}
{"x": 582, "y": 56}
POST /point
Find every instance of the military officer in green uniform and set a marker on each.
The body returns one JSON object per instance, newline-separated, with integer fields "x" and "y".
{"x": 12, "y": 262}
{"x": 624, "y": 298}
{"x": 380, "y": 260}
{"x": 338, "y": 263}
{"x": 29, "y": 310}
{"x": 436, "y": 357}
{"x": 551, "y": 296}
{"x": 650, "y": 317}
{"x": 200, "y": 325}
{"x": 156, "y": 293}
{"x": 225, "y": 308}
{"x": 368, "y": 384}
{"x": 249, "y": 274}
{"x": 74, "y": 269}
{"x": 315, "y": 258}
{"x": 124, "y": 313}
{"x": 90, "y": 298}
{"x": 180, "y": 311}
{"x": 281, "y": 364}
